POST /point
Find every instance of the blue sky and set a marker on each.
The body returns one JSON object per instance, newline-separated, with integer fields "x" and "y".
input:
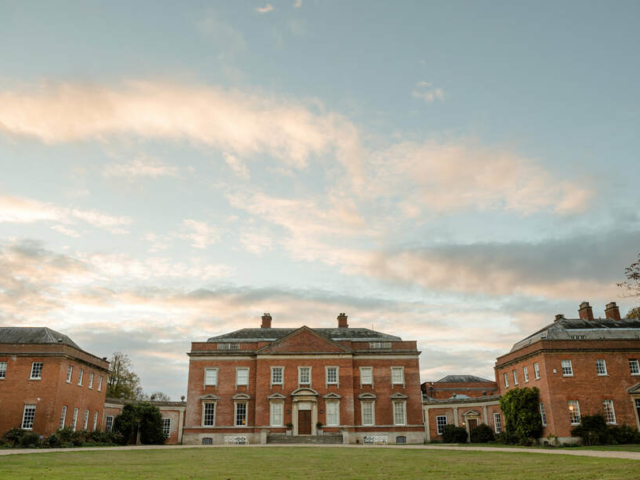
{"x": 452, "y": 172}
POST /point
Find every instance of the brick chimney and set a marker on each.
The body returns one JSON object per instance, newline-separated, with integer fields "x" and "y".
{"x": 342, "y": 321}
{"x": 585, "y": 311}
{"x": 559, "y": 316}
{"x": 266, "y": 321}
{"x": 612, "y": 311}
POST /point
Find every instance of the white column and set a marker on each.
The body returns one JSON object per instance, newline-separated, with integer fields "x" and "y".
{"x": 426, "y": 424}
{"x": 486, "y": 417}
{"x": 455, "y": 416}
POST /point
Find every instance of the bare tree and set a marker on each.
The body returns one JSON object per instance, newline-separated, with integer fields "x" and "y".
{"x": 632, "y": 283}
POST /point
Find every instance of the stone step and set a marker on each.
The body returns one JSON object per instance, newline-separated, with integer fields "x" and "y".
{"x": 329, "y": 439}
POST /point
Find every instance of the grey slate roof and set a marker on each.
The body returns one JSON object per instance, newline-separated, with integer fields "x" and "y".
{"x": 463, "y": 379}
{"x": 34, "y": 335}
{"x": 272, "y": 334}
{"x": 578, "y": 329}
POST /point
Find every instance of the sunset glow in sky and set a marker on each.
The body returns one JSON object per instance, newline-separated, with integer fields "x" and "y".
{"x": 451, "y": 172}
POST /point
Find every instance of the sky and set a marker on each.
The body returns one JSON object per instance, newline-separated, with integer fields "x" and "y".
{"x": 454, "y": 173}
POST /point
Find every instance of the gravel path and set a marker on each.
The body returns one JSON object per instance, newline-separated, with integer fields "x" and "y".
{"x": 534, "y": 451}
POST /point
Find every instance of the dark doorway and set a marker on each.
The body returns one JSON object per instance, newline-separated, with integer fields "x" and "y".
{"x": 473, "y": 423}
{"x": 304, "y": 422}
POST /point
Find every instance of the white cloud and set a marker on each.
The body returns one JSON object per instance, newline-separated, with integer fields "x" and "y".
{"x": 256, "y": 242}
{"x": 266, "y": 9}
{"x": 429, "y": 95}
{"x": 65, "y": 231}
{"x": 114, "y": 224}
{"x": 200, "y": 233}
{"x": 223, "y": 36}
{"x": 237, "y": 166}
{"x": 141, "y": 166}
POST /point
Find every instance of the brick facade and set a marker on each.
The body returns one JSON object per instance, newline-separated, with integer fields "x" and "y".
{"x": 347, "y": 350}
{"x": 51, "y": 391}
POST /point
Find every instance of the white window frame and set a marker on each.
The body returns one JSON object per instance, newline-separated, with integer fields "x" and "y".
{"x": 366, "y": 369}
{"x": 95, "y": 420}
{"x": 634, "y": 366}
{"x": 334, "y": 404}
{"x": 36, "y": 370}
{"x": 372, "y": 404}
{"x": 300, "y": 370}
{"x": 574, "y": 415}
{"x": 166, "y": 431}
{"x": 63, "y": 416}
{"x": 3, "y": 370}
{"x": 273, "y": 414}
{"x": 236, "y": 404}
{"x": 281, "y": 369}
{"x": 403, "y": 405}
{"x": 543, "y": 414}
{"x": 75, "y": 419}
{"x": 505, "y": 376}
{"x": 326, "y": 375}
{"x": 80, "y": 376}
{"x": 394, "y": 382}
{"x": 609, "y": 412}
{"x": 525, "y": 372}
{"x": 108, "y": 426}
{"x": 69, "y": 373}
{"x": 567, "y": 368}
{"x": 242, "y": 369}
{"x": 497, "y": 422}
{"x": 28, "y": 419}
{"x": 536, "y": 370}
{"x": 100, "y": 383}
{"x": 91, "y": 381}
{"x": 85, "y": 424}
{"x": 208, "y": 370}
{"x": 515, "y": 378}
{"x": 439, "y": 425}
{"x": 601, "y": 372}
{"x": 204, "y": 413}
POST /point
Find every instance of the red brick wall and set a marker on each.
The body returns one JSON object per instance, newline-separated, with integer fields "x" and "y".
{"x": 443, "y": 390}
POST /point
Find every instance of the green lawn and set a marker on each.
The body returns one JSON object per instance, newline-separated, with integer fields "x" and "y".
{"x": 240, "y": 463}
{"x": 612, "y": 448}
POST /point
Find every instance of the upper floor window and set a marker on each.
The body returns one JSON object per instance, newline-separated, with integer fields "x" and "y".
{"x": 69, "y": 373}
{"x": 3, "y": 370}
{"x": 525, "y": 371}
{"x": 304, "y": 375}
{"x": 601, "y": 367}
{"x": 277, "y": 375}
{"x": 228, "y": 346}
{"x": 28, "y": 416}
{"x": 242, "y": 376}
{"x": 80, "y": 375}
{"x": 609, "y": 411}
{"x": 497, "y": 423}
{"x": 332, "y": 375}
{"x": 366, "y": 375}
{"x": 36, "y": 371}
{"x": 380, "y": 345}
{"x": 574, "y": 412}
{"x": 506, "y": 380}
{"x": 567, "y": 368}
{"x": 211, "y": 377}
{"x": 536, "y": 371}
{"x": 515, "y": 377}
{"x": 634, "y": 366}
{"x": 397, "y": 375}
{"x": 441, "y": 422}
{"x": 91, "y": 380}
{"x": 543, "y": 415}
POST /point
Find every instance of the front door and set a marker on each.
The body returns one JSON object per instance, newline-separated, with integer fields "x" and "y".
{"x": 473, "y": 423}
{"x": 304, "y": 422}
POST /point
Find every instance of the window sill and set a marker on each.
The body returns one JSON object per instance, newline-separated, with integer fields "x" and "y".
{"x": 603, "y": 375}
{"x": 567, "y": 376}
{"x": 33, "y": 379}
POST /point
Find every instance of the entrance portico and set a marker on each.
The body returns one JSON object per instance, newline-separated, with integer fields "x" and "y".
{"x": 305, "y": 411}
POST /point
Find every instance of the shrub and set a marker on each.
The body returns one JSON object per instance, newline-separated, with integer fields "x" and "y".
{"x": 126, "y": 424}
{"x": 53, "y": 441}
{"x": 14, "y": 435}
{"x": 623, "y": 434}
{"x": 453, "y": 434}
{"x": 592, "y": 429}
{"x": 482, "y": 434}
{"x": 30, "y": 440}
{"x": 522, "y": 418}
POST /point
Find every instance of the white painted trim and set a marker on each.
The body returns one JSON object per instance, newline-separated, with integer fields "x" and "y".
{"x": 372, "y": 380}
{"x": 248, "y": 369}
{"x": 221, "y": 358}
{"x": 373, "y": 412}
{"x": 215, "y": 413}
{"x": 205, "y": 384}
{"x": 271, "y": 384}
{"x": 326, "y": 376}
{"x": 310, "y": 376}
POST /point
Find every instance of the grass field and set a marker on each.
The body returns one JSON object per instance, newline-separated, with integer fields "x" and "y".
{"x": 309, "y": 463}
{"x": 611, "y": 448}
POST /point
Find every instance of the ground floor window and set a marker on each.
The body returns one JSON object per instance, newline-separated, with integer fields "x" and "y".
{"x": 109, "y": 425}
{"x": 609, "y": 411}
{"x": 28, "y": 416}
{"x": 497, "y": 422}
{"x": 241, "y": 414}
{"x": 368, "y": 417}
{"x": 209, "y": 415}
{"x": 95, "y": 420}
{"x": 86, "y": 420}
{"x": 75, "y": 419}
{"x": 441, "y": 421}
{"x": 166, "y": 427}
{"x": 63, "y": 416}
{"x": 207, "y": 441}
{"x": 574, "y": 412}
{"x": 333, "y": 414}
{"x": 543, "y": 415}
{"x": 276, "y": 414}
{"x": 399, "y": 413}
{"x": 401, "y": 439}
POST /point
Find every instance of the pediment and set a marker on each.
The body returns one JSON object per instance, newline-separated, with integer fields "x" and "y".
{"x": 209, "y": 396}
{"x": 304, "y": 340}
{"x": 304, "y": 392}
{"x": 330, "y": 396}
{"x": 399, "y": 396}
{"x": 241, "y": 396}
{"x": 276, "y": 396}
{"x": 635, "y": 389}
{"x": 367, "y": 396}
{"x": 471, "y": 413}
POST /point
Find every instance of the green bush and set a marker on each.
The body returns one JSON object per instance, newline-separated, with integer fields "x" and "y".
{"x": 523, "y": 424}
{"x": 482, "y": 434}
{"x": 14, "y": 435}
{"x": 126, "y": 424}
{"x": 453, "y": 434}
{"x": 623, "y": 434}
{"x": 30, "y": 440}
{"x": 592, "y": 429}
{"x": 53, "y": 441}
